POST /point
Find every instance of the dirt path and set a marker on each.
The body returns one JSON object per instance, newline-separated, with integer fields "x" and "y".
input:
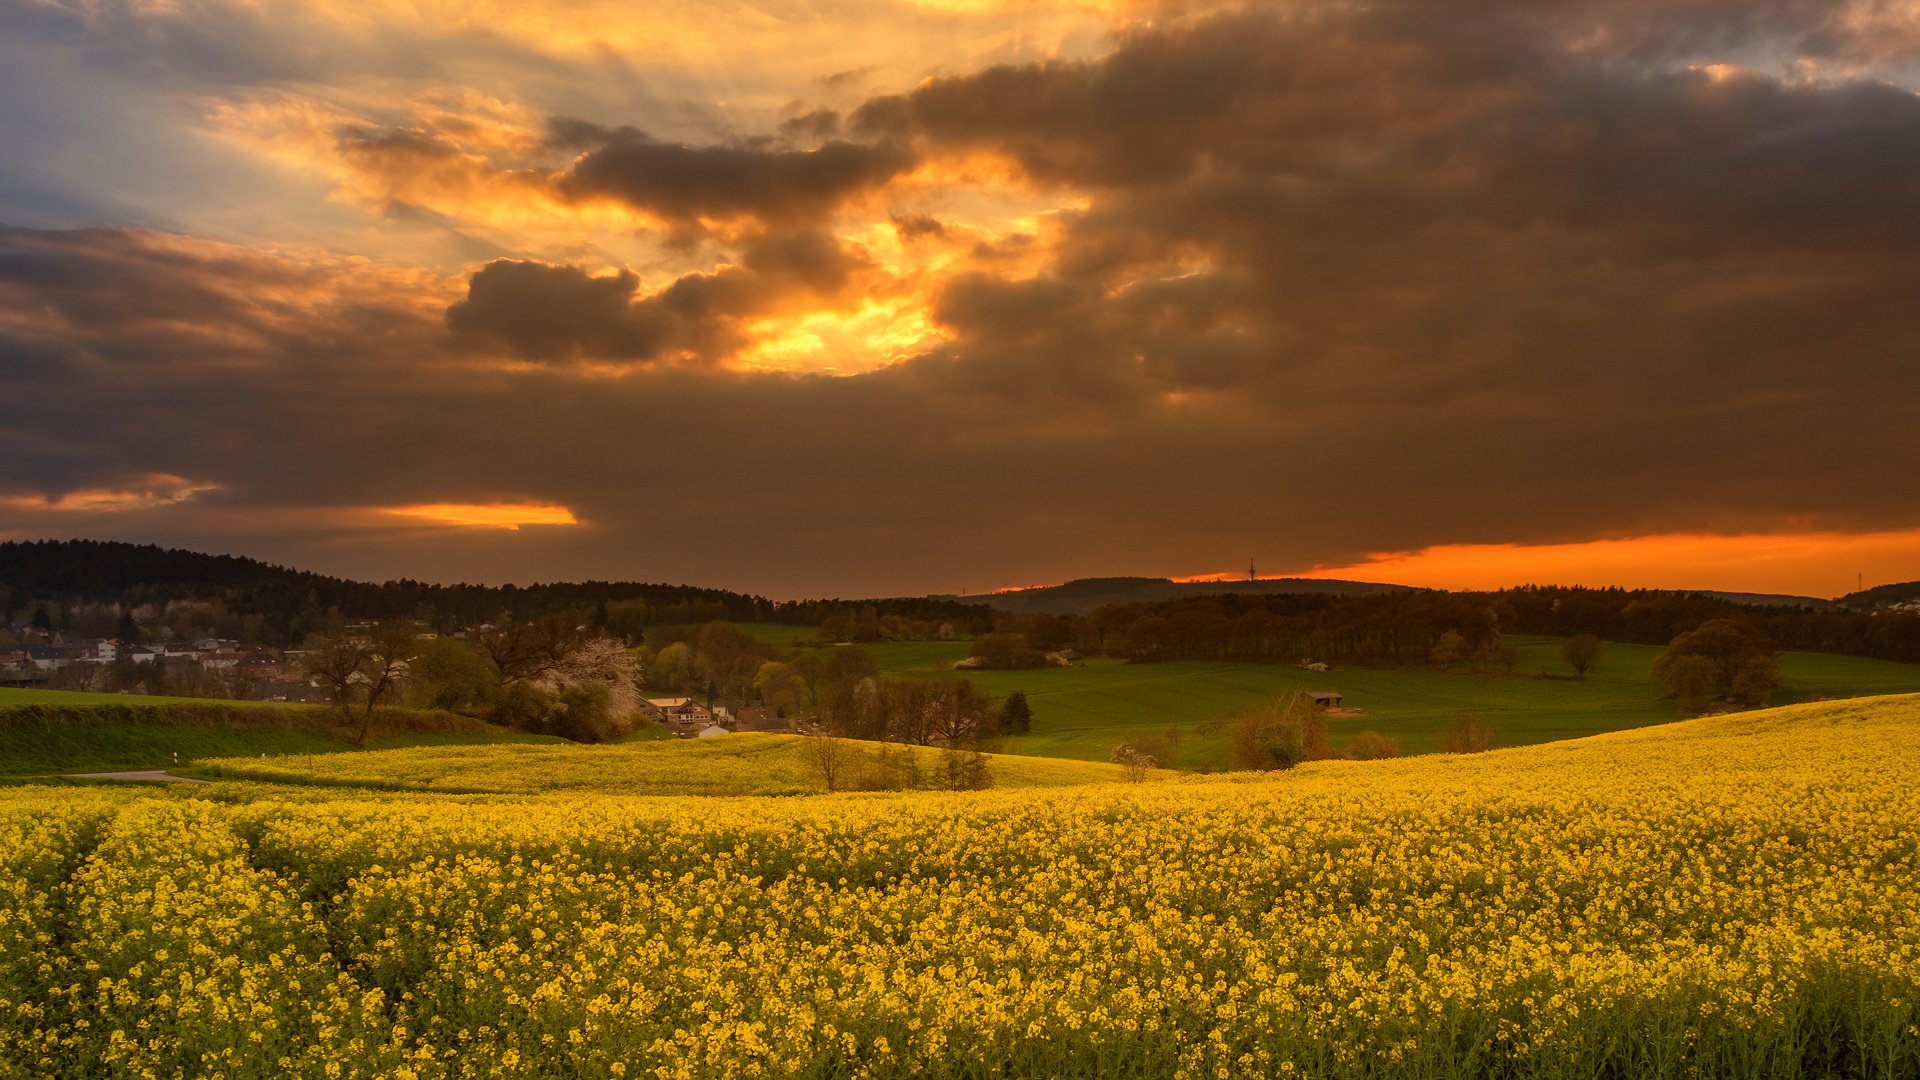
{"x": 156, "y": 776}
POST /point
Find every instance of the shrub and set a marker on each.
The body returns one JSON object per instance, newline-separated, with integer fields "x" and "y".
{"x": 1372, "y": 746}
{"x": 1278, "y": 735}
{"x": 1469, "y": 735}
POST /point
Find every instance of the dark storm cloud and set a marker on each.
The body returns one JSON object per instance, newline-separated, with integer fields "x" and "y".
{"x": 688, "y": 184}
{"x": 544, "y": 312}
{"x": 1364, "y": 203}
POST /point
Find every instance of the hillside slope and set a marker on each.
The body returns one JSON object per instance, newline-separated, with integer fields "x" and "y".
{"x": 743, "y": 764}
{"x": 1082, "y": 595}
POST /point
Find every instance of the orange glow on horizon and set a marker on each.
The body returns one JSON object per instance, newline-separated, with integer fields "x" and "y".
{"x": 494, "y": 516}
{"x": 1819, "y": 564}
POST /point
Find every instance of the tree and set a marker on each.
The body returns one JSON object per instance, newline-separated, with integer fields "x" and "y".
{"x": 829, "y": 757}
{"x": 1467, "y": 734}
{"x": 1277, "y": 735}
{"x": 671, "y": 669}
{"x": 593, "y": 691}
{"x": 129, "y": 631}
{"x": 448, "y": 675}
{"x": 956, "y": 714}
{"x": 1135, "y": 760}
{"x": 780, "y": 685}
{"x": 1450, "y": 648}
{"x": 384, "y": 663}
{"x": 522, "y": 650}
{"x": 1720, "y": 660}
{"x": 335, "y": 661}
{"x": 964, "y": 768}
{"x": 1582, "y": 652}
{"x": 1016, "y": 717}
{"x": 728, "y": 656}
{"x": 1508, "y": 656}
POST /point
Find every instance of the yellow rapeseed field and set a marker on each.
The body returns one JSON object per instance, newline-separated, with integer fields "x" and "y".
{"x": 743, "y": 764}
{"x": 1723, "y": 898}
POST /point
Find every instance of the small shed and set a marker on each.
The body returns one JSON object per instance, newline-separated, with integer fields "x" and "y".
{"x": 713, "y": 731}
{"x": 1326, "y": 698}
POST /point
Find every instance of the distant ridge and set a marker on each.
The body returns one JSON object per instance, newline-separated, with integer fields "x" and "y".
{"x": 1902, "y": 596}
{"x": 1755, "y": 599}
{"x": 1082, "y": 595}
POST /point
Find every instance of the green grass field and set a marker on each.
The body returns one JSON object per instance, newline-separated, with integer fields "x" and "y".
{"x": 13, "y": 696}
{"x": 1083, "y": 712}
{"x": 46, "y": 732}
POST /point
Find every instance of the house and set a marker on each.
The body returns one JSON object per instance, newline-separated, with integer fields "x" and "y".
{"x": 681, "y": 714}
{"x": 49, "y": 657}
{"x": 221, "y": 661}
{"x": 99, "y": 651}
{"x": 1326, "y": 698}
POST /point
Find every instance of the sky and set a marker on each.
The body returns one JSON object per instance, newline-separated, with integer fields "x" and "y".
{"x": 895, "y": 298}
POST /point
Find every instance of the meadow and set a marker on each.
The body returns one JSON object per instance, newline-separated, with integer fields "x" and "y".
{"x": 1729, "y": 897}
{"x": 51, "y": 732}
{"x": 1085, "y": 711}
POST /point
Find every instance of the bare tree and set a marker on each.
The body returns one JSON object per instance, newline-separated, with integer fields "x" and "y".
{"x": 523, "y": 651}
{"x": 830, "y": 757}
{"x": 383, "y": 665}
{"x": 335, "y": 661}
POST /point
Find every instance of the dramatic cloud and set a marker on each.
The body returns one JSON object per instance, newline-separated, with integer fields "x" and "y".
{"x": 542, "y": 312}
{"x": 685, "y": 185}
{"x": 1303, "y": 282}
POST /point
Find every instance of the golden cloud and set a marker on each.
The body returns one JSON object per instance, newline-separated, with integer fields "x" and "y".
{"x": 484, "y": 515}
{"x": 146, "y": 493}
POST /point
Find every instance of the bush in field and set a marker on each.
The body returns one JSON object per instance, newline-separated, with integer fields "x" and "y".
{"x": 1372, "y": 746}
{"x": 1468, "y": 734}
{"x": 1278, "y": 735}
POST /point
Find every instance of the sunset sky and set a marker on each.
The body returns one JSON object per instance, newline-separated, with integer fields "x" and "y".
{"x": 878, "y": 298}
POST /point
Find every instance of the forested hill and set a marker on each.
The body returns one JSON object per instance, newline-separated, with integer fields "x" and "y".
{"x": 277, "y": 605}
{"x": 1082, "y": 595}
{"x": 1396, "y": 629}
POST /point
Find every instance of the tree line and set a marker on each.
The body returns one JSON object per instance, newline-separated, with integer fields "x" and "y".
{"x": 92, "y": 587}
{"x": 1406, "y": 629}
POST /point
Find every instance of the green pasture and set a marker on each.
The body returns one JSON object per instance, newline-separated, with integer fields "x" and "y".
{"x": 52, "y": 732}
{"x": 1085, "y": 711}
{"x": 10, "y": 696}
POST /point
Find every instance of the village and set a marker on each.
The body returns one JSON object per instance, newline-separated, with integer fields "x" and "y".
{"x": 256, "y": 672}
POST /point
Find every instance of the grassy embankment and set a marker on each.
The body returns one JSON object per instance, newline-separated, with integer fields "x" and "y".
{"x": 50, "y": 732}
